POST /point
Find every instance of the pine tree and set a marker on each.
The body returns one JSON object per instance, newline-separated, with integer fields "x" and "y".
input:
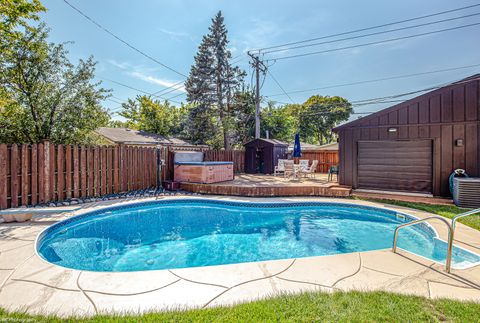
{"x": 212, "y": 83}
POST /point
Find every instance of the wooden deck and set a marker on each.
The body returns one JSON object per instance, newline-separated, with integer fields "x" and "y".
{"x": 267, "y": 185}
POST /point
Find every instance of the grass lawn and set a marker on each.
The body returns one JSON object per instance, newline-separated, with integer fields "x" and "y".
{"x": 309, "y": 307}
{"x": 448, "y": 211}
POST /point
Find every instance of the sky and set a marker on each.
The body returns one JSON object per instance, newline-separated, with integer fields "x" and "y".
{"x": 171, "y": 31}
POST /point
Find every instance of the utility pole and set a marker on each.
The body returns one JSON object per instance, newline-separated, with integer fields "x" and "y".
{"x": 259, "y": 66}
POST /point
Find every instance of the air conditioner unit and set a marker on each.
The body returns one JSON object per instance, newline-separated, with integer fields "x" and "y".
{"x": 466, "y": 192}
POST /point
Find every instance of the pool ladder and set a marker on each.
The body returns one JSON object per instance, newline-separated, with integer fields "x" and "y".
{"x": 451, "y": 232}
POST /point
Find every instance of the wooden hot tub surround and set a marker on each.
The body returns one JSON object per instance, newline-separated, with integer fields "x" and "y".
{"x": 203, "y": 172}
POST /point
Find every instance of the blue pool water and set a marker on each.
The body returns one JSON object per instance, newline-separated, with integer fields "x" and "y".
{"x": 191, "y": 233}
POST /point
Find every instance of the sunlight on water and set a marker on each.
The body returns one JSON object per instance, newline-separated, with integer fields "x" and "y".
{"x": 179, "y": 234}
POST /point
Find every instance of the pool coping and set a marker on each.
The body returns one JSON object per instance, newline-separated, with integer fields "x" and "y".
{"x": 85, "y": 293}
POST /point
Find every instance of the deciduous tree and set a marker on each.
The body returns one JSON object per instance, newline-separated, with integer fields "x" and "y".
{"x": 320, "y": 115}
{"x": 154, "y": 116}
{"x": 45, "y": 95}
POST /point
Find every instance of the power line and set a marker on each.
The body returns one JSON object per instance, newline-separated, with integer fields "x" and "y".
{"x": 367, "y": 28}
{"x": 371, "y": 34}
{"x": 176, "y": 87}
{"x": 116, "y": 97}
{"x": 115, "y": 101}
{"x": 175, "y": 96}
{"x": 377, "y": 80}
{"x": 173, "y": 87}
{"x": 172, "y": 90}
{"x": 279, "y": 85}
{"x": 123, "y": 41}
{"x": 138, "y": 90}
{"x": 394, "y": 96}
{"x": 375, "y": 43}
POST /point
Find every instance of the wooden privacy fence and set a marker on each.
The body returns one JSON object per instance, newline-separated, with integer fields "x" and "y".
{"x": 39, "y": 173}
{"x": 235, "y": 156}
{"x": 325, "y": 159}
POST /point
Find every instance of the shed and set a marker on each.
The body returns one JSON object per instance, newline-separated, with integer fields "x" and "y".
{"x": 414, "y": 146}
{"x": 261, "y": 155}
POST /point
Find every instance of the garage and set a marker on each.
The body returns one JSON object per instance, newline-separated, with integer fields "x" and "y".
{"x": 395, "y": 165}
{"x": 415, "y": 145}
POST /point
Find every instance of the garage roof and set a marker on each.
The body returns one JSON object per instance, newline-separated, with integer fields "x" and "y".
{"x": 435, "y": 91}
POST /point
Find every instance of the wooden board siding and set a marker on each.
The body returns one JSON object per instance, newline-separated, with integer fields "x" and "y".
{"x": 203, "y": 173}
{"x": 3, "y": 175}
{"x": 442, "y": 116}
{"x": 395, "y": 165}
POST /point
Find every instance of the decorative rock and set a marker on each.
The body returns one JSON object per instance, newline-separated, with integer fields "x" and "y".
{"x": 22, "y": 217}
{"x": 8, "y": 218}
{"x": 18, "y": 217}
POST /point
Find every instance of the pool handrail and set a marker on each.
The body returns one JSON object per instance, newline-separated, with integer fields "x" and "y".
{"x": 462, "y": 215}
{"x": 448, "y": 261}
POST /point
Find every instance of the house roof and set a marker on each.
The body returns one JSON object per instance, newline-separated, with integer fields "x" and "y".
{"x": 434, "y": 91}
{"x": 138, "y": 137}
{"x": 332, "y": 146}
{"x": 309, "y": 147}
{"x": 270, "y": 141}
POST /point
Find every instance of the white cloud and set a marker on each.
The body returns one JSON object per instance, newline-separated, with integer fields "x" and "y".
{"x": 145, "y": 74}
{"x": 158, "y": 81}
{"x": 174, "y": 33}
{"x": 177, "y": 35}
{"x": 121, "y": 65}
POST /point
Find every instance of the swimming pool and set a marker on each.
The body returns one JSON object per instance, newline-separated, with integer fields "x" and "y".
{"x": 183, "y": 233}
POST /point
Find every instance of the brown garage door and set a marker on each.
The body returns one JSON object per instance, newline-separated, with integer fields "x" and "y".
{"x": 395, "y": 165}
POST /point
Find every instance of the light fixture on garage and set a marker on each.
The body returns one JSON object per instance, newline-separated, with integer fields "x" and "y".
{"x": 392, "y": 129}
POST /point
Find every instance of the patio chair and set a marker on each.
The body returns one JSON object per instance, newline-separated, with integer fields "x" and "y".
{"x": 303, "y": 164}
{"x": 311, "y": 170}
{"x": 333, "y": 170}
{"x": 289, "y": 169}
{"x": 280, "y": 167}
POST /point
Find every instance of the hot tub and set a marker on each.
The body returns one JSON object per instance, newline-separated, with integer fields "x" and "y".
{"x": 203, "y": 172}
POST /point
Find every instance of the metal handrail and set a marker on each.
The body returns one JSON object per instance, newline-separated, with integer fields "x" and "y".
{"x": 462, "y": 215}
{"x": 448, "y": 261}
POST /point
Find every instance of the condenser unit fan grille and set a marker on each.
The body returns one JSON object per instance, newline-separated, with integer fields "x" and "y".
{"x": 466, "y": 192}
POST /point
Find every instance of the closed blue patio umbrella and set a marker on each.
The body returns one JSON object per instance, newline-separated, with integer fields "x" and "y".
{"x": 297, "y": 150}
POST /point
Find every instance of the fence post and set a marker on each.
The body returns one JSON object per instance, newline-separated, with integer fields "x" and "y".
{"x": 46, "y": 171}
{"x": 3, "y": 176}
{"x": 159, "y": 168}
{"x": 14, "y": 176}
{"x": 24, "y": 182}
{"x": 34, "y": 176}
{"x": 60, "y": 173}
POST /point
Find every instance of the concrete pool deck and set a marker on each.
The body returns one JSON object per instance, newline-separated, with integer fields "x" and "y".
{"x": 30, "y": 284}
